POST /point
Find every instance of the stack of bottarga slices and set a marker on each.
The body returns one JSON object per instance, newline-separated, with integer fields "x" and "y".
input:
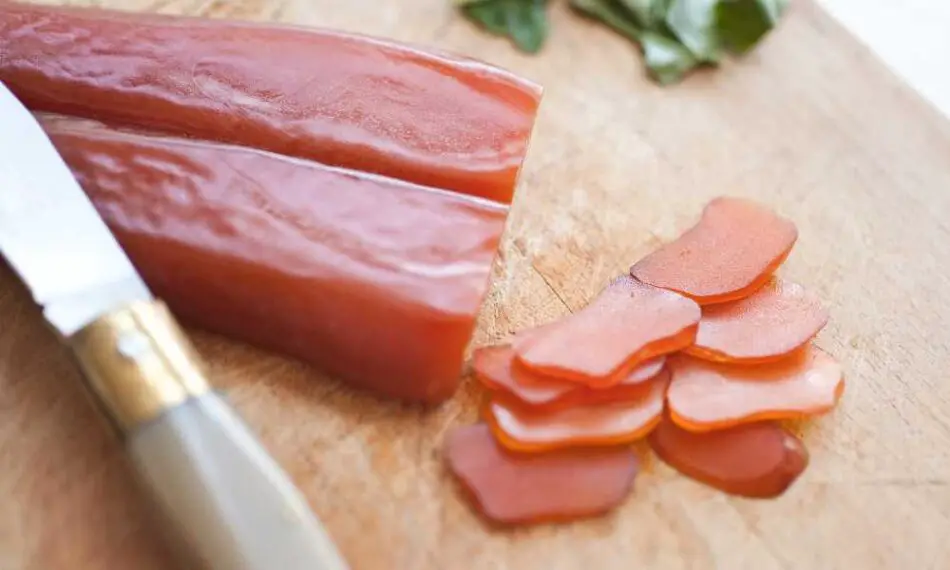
{"x": 700, "y": 351}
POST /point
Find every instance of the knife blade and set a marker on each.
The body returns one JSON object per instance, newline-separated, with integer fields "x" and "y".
{"x": 224, "y": 496}
{"x": 50, "y": 233}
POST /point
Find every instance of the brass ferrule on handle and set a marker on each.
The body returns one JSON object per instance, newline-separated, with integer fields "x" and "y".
{"x": 138, "y": 363}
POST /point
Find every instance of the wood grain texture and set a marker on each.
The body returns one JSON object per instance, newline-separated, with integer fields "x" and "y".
{"x": 810, "y": 123}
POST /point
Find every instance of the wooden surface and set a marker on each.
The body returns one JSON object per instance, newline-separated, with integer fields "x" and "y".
{"x": 809, "y": 123}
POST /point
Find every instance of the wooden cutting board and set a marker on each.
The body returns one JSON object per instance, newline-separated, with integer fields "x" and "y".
{"x": 810, "y": 123}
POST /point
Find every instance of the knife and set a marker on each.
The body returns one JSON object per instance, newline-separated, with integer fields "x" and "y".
{"x": 213, "y": 482}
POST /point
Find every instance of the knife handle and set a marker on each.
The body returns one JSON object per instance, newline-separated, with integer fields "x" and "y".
{"x": 229, "y": 501}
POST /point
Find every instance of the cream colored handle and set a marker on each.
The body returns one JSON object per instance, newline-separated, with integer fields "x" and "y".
{"x": 232, "y": 504}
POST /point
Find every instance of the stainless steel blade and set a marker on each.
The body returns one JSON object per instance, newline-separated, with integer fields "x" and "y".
{"x": 51, "y": 234}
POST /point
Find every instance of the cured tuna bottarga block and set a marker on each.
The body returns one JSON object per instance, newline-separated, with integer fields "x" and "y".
{"x": 341, "y": 99}
{"x": 374, "y": 280}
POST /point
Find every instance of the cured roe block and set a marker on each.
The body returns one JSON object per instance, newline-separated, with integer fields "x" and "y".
{"x": 341, "y": 99}
{"x": 371, "y": 279}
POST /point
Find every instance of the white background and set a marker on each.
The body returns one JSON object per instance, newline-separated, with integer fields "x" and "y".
{"x": 912, "y": 37}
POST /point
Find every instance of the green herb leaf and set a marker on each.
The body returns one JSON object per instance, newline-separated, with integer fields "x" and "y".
{"x": 610, "y": 13}
{"x": 667, "y": 59}
{"x": 742, "y": 23}
{"x": 646, "y": 13}
{"x": 675, "y": 35}
{"x": 525, "y": 22}
{"x": 694, "y": 23}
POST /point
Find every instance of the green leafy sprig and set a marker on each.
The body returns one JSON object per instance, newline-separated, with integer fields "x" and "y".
{"x": 675, "y": 36}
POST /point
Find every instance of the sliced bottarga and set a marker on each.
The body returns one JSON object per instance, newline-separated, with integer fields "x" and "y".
{"x": 522, "y": 428}
{"x": 497, "y": 369}
{"x": 776, "y": 320}
{"x": 758, "y": 460}
{"x": 628, "y": 324}
{"x": 515, "y": 488}
{"x": 706, "y": 396}
{"x": 729, "y": 254}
